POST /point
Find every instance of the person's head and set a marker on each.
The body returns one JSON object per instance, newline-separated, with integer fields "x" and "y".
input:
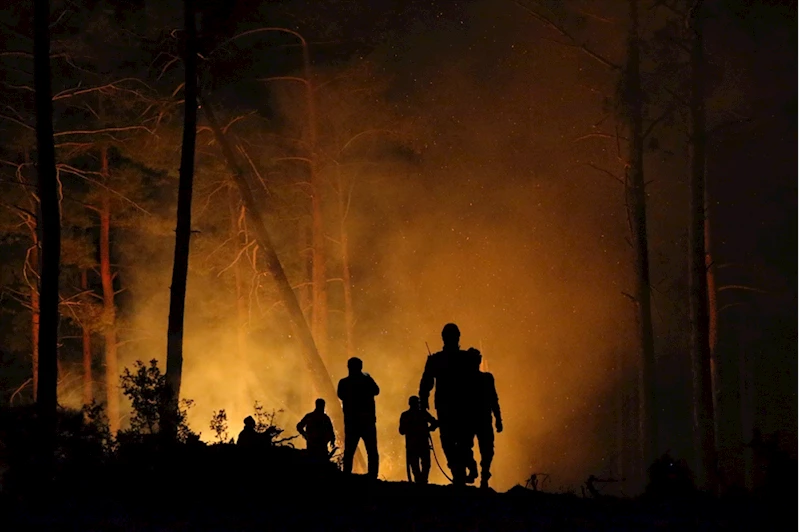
{"x": 475, "y": 364}
{"x": 320, "y": 405}
{"x": 451, "y": 335}
{"x": 413, "y": 401}
{"x": 355, "y": 365}
{"x": 249, "y": 422}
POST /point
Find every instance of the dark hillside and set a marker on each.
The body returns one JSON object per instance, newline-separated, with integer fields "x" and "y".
{"x": 217, "y": 488}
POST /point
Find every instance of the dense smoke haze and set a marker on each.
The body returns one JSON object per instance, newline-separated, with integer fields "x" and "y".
{"x": 496, "y": 227}
{"x": 495, "y": 213}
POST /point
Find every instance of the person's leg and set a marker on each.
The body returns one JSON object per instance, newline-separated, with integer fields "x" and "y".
{"x": 449, "y": 443}
{"x": 485, "y": 439}
{"x": 315, "y": 450}
{"x": 466, "y": 434}
{"x": 351, "y": 438}
{"x": 369, "y": 435}
{"x": 424, "y": 462}
{"x": 413, "y": 460}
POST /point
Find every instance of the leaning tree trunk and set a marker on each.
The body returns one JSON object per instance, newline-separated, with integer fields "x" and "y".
{"x": 87, "y": 345}
{"x": 648, "y": 421}
{"x": 50, "y": 222}
{"x": 109, "y": 306}
{"x": 321, "y": 377}
{"x": 704, "y": 441}
{"x": 180, "y": 267}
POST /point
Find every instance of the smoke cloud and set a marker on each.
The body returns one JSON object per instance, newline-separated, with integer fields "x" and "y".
{"x": 498, "y": 225}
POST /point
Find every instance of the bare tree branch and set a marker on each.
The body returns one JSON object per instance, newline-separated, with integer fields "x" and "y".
{"x": 572, "y": 41}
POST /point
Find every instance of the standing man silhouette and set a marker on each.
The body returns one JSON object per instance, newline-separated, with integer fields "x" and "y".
{"x": 416, "y": 425}
{"x": 485, "y": 414}
{"x": 454, "y": 373}
{"x": 317, "y": 429}
{"x": 357, "y": 392}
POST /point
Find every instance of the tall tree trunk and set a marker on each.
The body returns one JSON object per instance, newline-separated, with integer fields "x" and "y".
{"x": 304, "y": 290}
{"x": 35, "y": 268}
{"x": 647, "y": 419}
{"x": 180, "y": 268}
{"x": 316, "y": 366}
{"x": 236, "y": 214}
{"x": 50, "y": 222}
{"x": 713, "y": 321}
{"x": 346, "y": 277}
{"x": 621, "y": 440}
{"x": 319, "y": 273}
{"x": 747, "y": 415}
{"x": 109, "y": 307}
{"x": 319, "y": 321}
{"x": 87, "y": 347}
{"x": 704, "y": 441}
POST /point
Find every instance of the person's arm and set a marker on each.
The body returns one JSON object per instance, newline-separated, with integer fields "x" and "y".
{"x": 301, "y": 426}
{"x": 427, "y": 382}
{"x": 402, "y": 428}
{"x": 341, "y": 391}
{"x": 331, "y": 434}
{"x": 494, "y": 401}
{"x": 432, "y": 423}
{"x": 374, "y": 386}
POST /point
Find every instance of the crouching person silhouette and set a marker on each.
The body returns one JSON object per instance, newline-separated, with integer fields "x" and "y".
{"x": 416, "y": 424}
{"x": 248, "y": 437}
{"x": 317, "y": 429}
{"x": 357, "y": 392}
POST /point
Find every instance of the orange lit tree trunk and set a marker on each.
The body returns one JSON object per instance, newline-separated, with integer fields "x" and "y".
{"x": 704, "y": 440}
{"x": 622, "y": 421}
{"x": 34, "y": 268}
{"x": 636, "y": 198}
{"x": 87, "y": 347}
{"x": 236, "y": 230}
{"x": 180, "y": 265}
{"x": 109, "y": 307}
{"x": 713, "y": 321}
{"x": 306, "y": 260}
{"x": 319, "y": 323}
{"x": 349, "y": 314}
{"x": 50, "y": 239}
{"x": 319, "y": 273}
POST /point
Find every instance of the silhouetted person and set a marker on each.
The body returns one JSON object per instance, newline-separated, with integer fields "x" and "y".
{"x": 486, "y": 405}
{"x": 317, "y": 429}
{"x": 248, "y": 437}
{"x": 452, "y": 372}
{"x": 357, "y": 392}
{"x": 416, "y": 424}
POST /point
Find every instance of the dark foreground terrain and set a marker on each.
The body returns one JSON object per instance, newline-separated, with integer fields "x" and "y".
{"x": 219, "y": 488}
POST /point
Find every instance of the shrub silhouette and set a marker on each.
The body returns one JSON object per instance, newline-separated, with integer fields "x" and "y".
{"x": 146, "y": 387}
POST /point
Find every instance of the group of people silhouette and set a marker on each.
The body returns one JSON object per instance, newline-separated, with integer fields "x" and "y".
{"x": 465, "y": 402}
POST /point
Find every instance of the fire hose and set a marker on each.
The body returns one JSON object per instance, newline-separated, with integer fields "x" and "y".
{"x": 433, "y": 448}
